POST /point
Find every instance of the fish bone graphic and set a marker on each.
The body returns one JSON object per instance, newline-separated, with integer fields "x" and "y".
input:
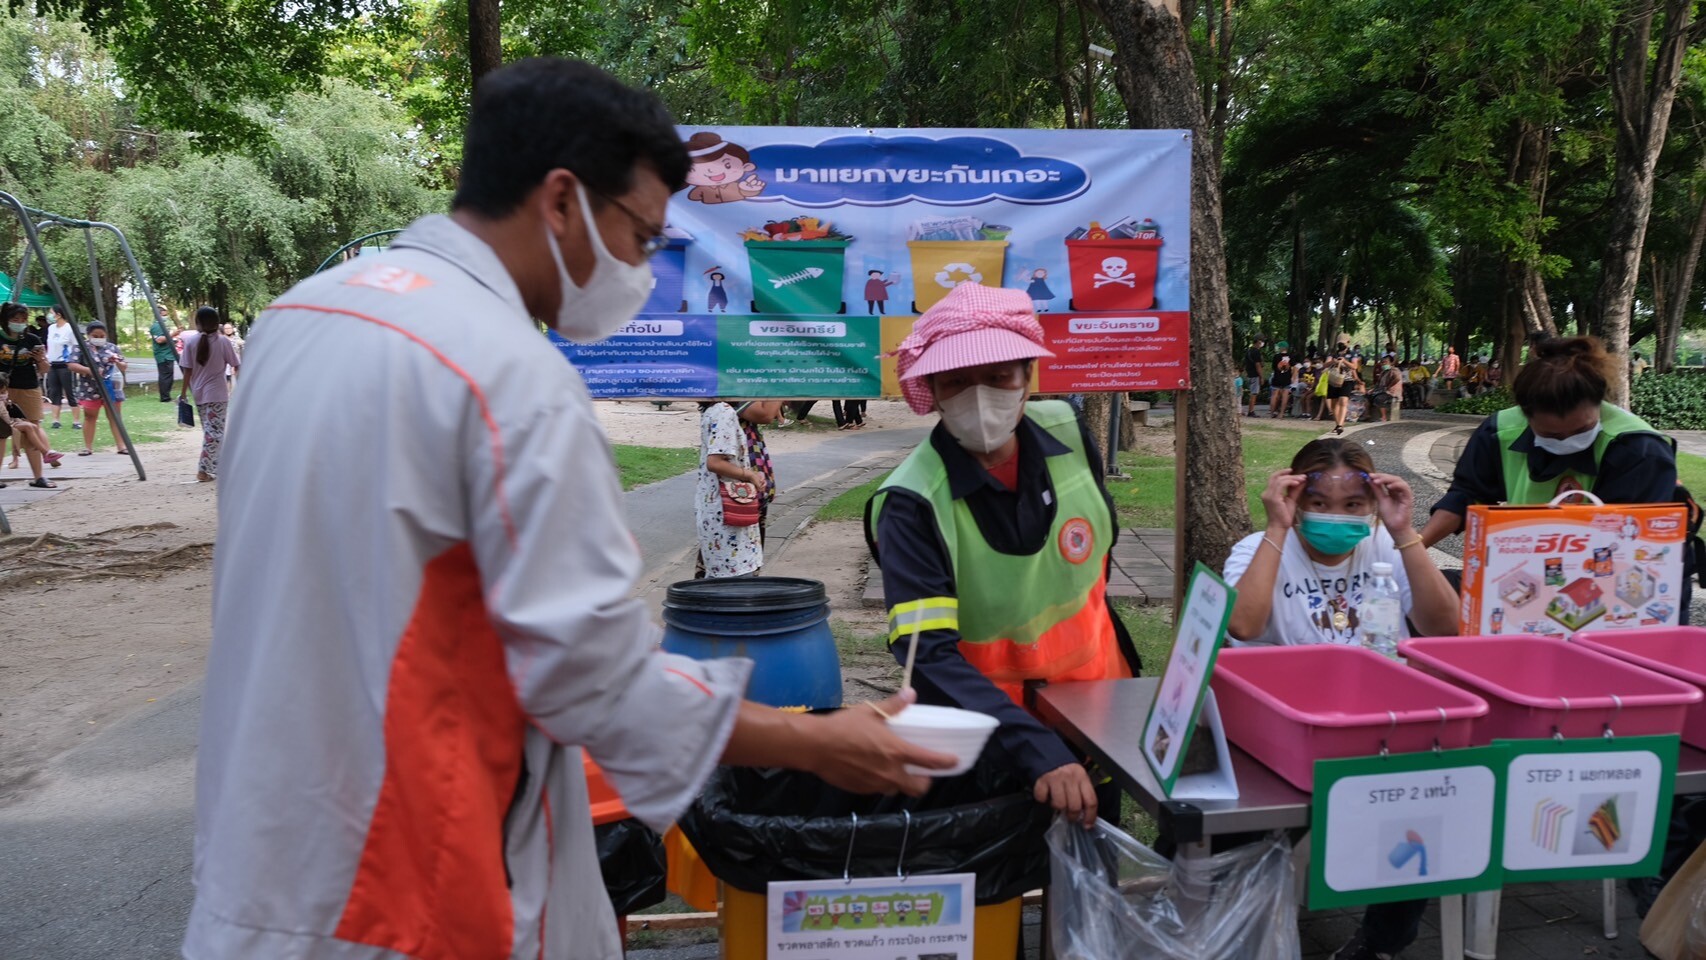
{"x": 809, "y": 273}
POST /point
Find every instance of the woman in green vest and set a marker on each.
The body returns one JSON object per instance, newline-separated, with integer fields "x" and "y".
{"x": 1561, "y": 436}
{"x": 993, "y": 537}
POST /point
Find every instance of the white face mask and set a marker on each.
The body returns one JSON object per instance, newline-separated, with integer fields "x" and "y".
{"x": 1574, "y": 443}
{"x": 610, "y": 298}
{"x": 97, "y": 341}
{"x": 982, "y": 418}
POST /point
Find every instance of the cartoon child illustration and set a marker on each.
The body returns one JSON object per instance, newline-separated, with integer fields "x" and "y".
{"x": 721, "y": 171}
{"x": 876, "y": 292}
{"x": 1038, "y": 291}
{"x": 717, "y": 298}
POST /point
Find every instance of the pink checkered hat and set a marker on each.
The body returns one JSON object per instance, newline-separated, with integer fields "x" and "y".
{"x": 971, "y": 326}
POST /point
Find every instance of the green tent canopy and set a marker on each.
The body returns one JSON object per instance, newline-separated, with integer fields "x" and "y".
{"x": 29, "y": 298}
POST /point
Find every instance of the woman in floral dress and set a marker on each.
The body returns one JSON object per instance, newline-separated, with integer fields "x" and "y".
{"x": 724, "y": 551}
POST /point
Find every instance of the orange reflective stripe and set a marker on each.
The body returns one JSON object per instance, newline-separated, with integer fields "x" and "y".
{"x": 431, "y": 882}
{"x": 1081, "y": 647}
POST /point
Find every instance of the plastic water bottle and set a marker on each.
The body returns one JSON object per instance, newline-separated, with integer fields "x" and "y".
{"x": 1382, "y": 613}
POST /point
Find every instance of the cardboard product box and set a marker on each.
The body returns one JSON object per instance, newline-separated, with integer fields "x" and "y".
{"x": 1559, "y": 569}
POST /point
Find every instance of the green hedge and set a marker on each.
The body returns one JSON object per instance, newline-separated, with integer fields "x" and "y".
{"x": 1484, "y": 405}
{"x": 1671, "y": 401}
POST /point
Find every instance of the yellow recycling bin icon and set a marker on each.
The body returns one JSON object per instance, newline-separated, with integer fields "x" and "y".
{"x": 941, "y": 265}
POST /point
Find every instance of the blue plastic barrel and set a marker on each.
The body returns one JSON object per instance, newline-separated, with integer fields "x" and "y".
{"x": 780, "y": 623}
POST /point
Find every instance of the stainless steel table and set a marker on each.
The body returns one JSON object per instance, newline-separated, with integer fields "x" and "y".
{"x": 1104, "y": 718}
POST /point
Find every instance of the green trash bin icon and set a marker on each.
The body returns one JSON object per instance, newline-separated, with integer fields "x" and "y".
{"x": 797, "y": 276}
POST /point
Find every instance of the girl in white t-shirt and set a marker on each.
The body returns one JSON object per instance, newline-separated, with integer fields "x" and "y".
{"x": 1330, "y": 519}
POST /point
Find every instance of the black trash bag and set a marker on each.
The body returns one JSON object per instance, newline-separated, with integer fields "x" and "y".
{"x": 632, "y": 860}
{"x": 754, "y": 826}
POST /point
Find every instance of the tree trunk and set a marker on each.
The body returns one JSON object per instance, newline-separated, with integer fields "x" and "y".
{"x": 1641, "y": 106}
{"x": 485, "y": 38}
{"x": 1298, "y": 330}
{"x": 1096, "y": 413}
{"x": 1676, "y": 298}
{"x": 1157, "y": 82}
{"x": 1530, "y": 164}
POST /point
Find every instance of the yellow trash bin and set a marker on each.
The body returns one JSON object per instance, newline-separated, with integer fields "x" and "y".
{"x": 941, "y": 265}
{"x": 995, "y": 927}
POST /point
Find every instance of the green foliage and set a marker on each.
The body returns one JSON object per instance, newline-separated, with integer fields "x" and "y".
{"x": 1670, "y": 401}
{"x": 850, "y": 504}
{"x": 1482, "y": 405}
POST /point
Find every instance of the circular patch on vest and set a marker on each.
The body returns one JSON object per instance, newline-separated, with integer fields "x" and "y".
{"x": 1076, "y": 540}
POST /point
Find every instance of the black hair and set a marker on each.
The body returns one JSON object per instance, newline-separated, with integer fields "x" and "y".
{"x": 94, "y": 325}
{"x": 546, "y": 113}
{"x": 872, "y": 273}
{"x": 1561, "y": 374}
{"x": 207, "y": 322}
{"x": 10, "y": 310}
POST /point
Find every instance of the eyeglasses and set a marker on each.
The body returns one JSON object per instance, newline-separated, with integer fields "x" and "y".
{"x": 654, "y": 232}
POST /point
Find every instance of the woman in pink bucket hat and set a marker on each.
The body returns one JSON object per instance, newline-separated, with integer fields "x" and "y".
{"x": 993, "y": 537}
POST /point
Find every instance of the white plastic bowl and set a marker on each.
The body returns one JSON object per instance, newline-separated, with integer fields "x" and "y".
{"x": 950, "y": 730}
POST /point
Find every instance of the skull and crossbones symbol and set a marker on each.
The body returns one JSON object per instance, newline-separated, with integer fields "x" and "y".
{"x": 1114, "y": 271}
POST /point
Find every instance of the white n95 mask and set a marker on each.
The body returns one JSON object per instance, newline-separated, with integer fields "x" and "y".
{"x": 982, "y": 418}
{"x": 612, "y": 295}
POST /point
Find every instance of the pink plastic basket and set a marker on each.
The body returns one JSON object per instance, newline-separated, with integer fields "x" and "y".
{"x": 1291, "y": 706}
{"x": 1677, "y": 652}
{"x": 1535, "y": 686}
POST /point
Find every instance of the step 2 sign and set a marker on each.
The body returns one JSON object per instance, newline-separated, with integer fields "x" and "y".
{"x": 1406, "y": 826}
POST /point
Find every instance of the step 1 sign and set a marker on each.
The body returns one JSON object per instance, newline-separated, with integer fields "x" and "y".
{"x": 1587, "y": 808}
{"x": 880, "y": 918}
{"x": 1406, "y": 826}
{"x": 1184, "y": 709}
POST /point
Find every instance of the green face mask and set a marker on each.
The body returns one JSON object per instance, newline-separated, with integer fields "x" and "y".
{"x": 1334, "y": 533}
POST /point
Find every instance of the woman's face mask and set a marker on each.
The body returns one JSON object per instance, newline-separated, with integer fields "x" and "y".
{"x": 1337, "y": 510}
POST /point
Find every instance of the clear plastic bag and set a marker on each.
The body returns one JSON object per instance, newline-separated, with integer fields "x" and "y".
{"x": 1112, "y": 898}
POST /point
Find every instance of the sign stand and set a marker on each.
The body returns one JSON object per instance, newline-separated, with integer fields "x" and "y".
{"x": 1184, "y": 705}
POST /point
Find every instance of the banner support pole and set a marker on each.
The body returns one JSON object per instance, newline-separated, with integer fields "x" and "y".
{"x": 1181, "y": 405}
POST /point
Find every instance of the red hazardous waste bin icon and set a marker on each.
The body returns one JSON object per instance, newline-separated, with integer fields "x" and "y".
{"x": 1113, "y": 274}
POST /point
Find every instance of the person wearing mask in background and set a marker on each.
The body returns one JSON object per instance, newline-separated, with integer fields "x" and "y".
{"x": 208, "y": 354}
{"x": 1281, "y": 382}
{"x": 1416, "y": 390}
{"x": 29, "y": 437}
{"x": 1253, "y": 374}
{"x": 61, "y": 382}
{"x": 1340, "y": 373}
{"x": 23, "y": 359}
{"x": 1302, "y": 389}
{"x": 724, "y": 550}
{"x": 1495, "y": 376}
{"x": 165, "y": 353}
{"x": 1302, "y": 580}
{"x": 107, "y": 359}
{"x": 1388, "y": 388}
{"x": 404, "y": 670}
{"x": 1561, "y": 435}
{"x": 1003, "y": 493}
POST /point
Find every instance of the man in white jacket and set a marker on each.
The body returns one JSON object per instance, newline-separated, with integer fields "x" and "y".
{"x": 416, "y": 629}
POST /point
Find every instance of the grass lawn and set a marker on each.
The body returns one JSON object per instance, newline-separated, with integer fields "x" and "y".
{"x": 1147, "y": 499}
{"x": 642, "y": 465}
{"x": 1691, "y": 473}
{"x": 850, "y": 505}
{"x": 150, "y": 421}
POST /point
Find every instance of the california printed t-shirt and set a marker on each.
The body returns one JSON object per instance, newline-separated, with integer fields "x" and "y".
{"x": 1307, "y": 595}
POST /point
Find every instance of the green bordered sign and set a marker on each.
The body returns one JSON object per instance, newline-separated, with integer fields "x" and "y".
{"x": 1406, "y": 826}
{"x": 1178, "y": 700}
{"x": 1586, "y": 809}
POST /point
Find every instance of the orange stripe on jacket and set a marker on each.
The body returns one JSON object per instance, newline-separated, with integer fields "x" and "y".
{"x": 431, "y": 881}
{"x": 1081, "y": 647}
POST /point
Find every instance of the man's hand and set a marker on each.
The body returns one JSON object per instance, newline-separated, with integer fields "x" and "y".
{"x": 856, "y": 751}
{"x": 1068, "y": 790}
